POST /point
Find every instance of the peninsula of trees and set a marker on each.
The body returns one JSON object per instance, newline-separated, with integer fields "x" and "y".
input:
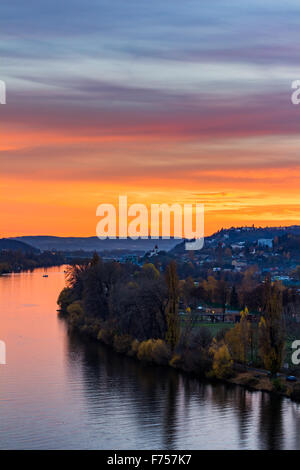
{"x": 149, "y": 314}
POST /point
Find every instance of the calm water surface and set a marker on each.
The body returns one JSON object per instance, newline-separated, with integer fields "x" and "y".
{"x": 57, "y": 392}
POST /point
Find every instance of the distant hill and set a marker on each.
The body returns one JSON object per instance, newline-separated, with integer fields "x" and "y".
{"x": 251, "y": 234}
{"x": 94, "y": 244}
{"x": 254, "y": 233}
{"x": 15, "y": 245}
{"x": 242, "y": 234}
{"x": 90, "y": 244}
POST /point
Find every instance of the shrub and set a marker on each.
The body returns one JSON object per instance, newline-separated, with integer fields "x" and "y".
{"x": 134, "y": 348}
{"x": 66, "y": 297}
{"x": 222, "y": 362}
{"x": 176, "y": 361}
{"x": 91, "y": 328}
{"x": 106, "y": 335}
{"x": 77, "y": 320}
{"x": 155, "y": 351}
{"x": 278, "y": 385}
{"x": 144, "y": 351}
{"x": 122, "y": 343}
{"x": 160, "y": 352}
{"x": 76, "y": 315}
{"x": 197, "y": 361}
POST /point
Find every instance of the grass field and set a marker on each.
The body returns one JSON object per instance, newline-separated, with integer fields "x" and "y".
{"x": 215, "y": 327}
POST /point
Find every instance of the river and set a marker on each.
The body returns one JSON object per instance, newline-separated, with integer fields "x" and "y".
{"x": 58, "y": 392}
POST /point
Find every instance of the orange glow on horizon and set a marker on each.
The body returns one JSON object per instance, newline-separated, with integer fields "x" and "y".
{"x": 52, "y": 182}
{"x": 68, "y": 208}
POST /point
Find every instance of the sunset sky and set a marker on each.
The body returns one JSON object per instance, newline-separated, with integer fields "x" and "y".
{"x": 162, "y": 100}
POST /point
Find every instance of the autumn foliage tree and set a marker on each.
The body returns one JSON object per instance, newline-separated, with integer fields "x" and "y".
{"x": 238, "y": 338}
{"x": 271, "y": 329}
{"x": 222, "y": 361}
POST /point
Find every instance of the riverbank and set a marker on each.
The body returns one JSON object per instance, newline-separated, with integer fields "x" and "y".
{"x": 252, "y": 380}
{"x": 155, "y": 351}
{"x": 16, "y": 262}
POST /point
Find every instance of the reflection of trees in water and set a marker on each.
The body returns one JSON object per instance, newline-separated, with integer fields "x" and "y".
{"x": 150, "y": 391}
{"x": 244, "y": 405}
{"x": 193, "y": 389}
{"x": 159, "y": 401}
{"x": 170, "y": 412}
{"x": 296, "y": 420}
{"x": 270, "y": 429}
{"x": 232, "y": 397}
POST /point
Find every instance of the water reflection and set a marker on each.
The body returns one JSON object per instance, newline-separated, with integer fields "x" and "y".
{"x": 171, "y": 409}
{"x": 271, "y": 434}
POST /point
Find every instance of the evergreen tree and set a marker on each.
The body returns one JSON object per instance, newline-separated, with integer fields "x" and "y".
{"x": 172, "y": 316}
{"x": 234, "y": 299}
